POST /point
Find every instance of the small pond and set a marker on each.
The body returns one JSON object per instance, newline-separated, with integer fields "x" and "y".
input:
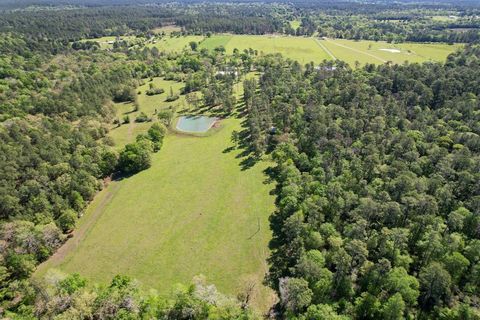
{"x": 195, "y": 123}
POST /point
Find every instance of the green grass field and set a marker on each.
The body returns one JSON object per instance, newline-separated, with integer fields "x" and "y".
{"x": 295, "y": 24}
{"x": 167, "y": 29}
{"x": 197, "y": 210}
{"x": 307, "y": 49}
{"x": 311, "y": 49}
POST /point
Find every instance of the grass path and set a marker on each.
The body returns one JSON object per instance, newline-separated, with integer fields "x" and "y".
{"x": 88, "y": 220}
{"x": 356, "y": 50}
{"x": 325, "y": 49}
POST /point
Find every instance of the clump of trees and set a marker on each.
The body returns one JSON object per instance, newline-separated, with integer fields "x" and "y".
{"x": 136, "y": 156}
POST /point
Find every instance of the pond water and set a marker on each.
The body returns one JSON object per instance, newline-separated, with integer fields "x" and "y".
{"x": 195, "y": 123}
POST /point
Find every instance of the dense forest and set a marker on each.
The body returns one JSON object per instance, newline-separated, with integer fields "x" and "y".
{"x": 378, "y": 196}
{"x": 377, "y": 168}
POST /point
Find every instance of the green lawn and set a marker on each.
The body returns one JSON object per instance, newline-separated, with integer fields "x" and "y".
{"x": 307, "y": 49}
{"x": 295, "y": 24}
{"x": 167, "y": 29}
{"x": 444, "y": 18}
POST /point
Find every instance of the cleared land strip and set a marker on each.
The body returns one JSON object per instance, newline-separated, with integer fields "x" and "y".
{"x": 325, "y": 49}
{"x": 79, "y": 233}
{"x": 356, "y": 50}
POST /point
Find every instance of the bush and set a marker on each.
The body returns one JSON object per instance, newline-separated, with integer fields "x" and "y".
{"x": 67, "y": 220}
{"x": 172, "y": 98}
{"x": 126, "y": 119}
{"x": 156, "y": 133}
{"x": 154, "y": 91}
{"x": 108, "y": 163}
{"x": 142, "y": 117}
{"x": 135, "y": 157}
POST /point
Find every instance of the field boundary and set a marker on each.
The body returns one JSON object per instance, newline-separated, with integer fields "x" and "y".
{"x": 79, "y": 233}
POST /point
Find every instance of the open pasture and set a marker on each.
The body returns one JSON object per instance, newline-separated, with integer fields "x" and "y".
{"x": 167, "y": 29}
{"x": 195, "y": 211}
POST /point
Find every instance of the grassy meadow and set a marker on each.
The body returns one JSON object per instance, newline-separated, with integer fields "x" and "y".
{"x": 167, "y": 29}
{"x": 197, "y": 210}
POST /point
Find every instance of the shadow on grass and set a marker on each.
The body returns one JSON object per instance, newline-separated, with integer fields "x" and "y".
{"x": 248, "y": 162}
{"x": 229, "y": 149}
{"x": 119, "y": 176}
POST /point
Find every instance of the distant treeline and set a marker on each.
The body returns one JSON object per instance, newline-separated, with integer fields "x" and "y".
{"x": 389, "y": 22}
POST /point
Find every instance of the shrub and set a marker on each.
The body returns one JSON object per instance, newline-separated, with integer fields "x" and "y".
{"x": 172, "y": 98}
{"x": 124, "y": 95}
{"x": 156, "y": 133}
{"x": 154, "y": 91}
{"x": 142, "y": 117}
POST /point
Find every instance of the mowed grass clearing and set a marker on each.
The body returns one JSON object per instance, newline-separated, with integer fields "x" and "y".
{"x": 167, "y": 29}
